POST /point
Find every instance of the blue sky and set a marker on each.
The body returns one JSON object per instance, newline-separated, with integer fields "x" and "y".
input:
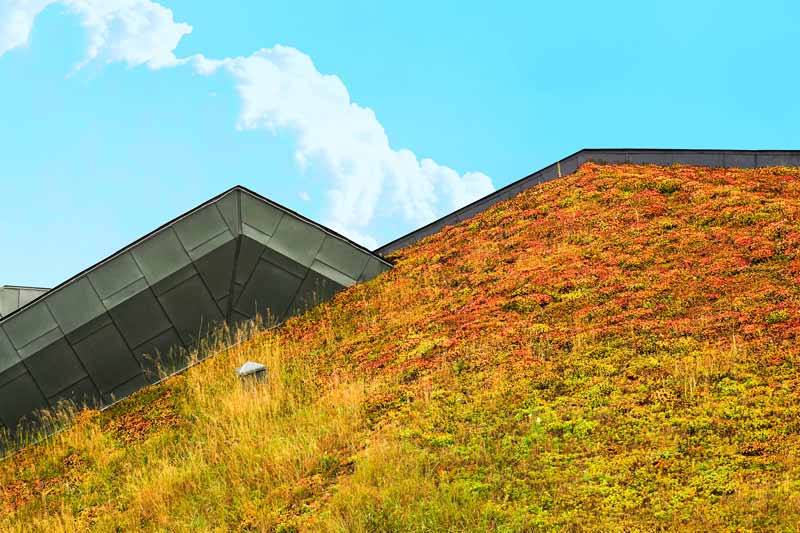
{"x": 370, "y": 117}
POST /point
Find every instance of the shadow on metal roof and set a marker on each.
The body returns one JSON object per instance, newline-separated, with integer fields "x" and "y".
{"x": 100, "y": 335}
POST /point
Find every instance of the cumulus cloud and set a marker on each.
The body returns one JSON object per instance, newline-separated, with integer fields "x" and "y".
{"x": 281, "y": 89}
{"x": 135, "y": 32}
{"x": 339, "y": 143}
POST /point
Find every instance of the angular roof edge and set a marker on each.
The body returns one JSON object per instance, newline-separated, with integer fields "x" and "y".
{"x": 239, "y": 188}
{"x": 568, "y": 165}
{"x": 12, "y": 295}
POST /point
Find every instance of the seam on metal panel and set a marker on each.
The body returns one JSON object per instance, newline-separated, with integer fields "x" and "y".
{"x": 197, "y": 270}
{"x": 232, "y": 283}
{"x": 116, "y": 327}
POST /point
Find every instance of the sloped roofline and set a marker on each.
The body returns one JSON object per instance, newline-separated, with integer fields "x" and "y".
{"x": 562, "y": 167}
{"x": 568, "y": 165}
{"x": 130, "y": 246}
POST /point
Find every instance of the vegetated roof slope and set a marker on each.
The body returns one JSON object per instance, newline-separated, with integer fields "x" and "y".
{"x": 613, "y": 350}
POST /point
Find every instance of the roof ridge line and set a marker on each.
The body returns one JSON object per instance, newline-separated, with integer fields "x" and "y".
{"x": 216, "y": 198}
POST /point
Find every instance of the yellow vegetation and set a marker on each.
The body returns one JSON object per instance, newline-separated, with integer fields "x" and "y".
{"x": 615, "y": 350}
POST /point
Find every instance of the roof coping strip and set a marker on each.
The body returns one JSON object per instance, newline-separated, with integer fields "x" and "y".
{"x": 669, "y": 156}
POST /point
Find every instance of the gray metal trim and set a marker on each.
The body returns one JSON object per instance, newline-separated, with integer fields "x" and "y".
{"x": 569, "y": 164}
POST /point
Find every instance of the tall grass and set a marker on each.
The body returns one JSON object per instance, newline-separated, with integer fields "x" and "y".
{"x": 229, "y": 452}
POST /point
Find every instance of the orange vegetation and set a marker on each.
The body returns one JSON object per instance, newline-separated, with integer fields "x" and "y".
{"x": 613, "y": 350}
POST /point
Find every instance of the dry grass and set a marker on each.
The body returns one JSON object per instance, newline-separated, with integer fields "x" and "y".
{"x": 615, "y": 351}
{"x": 196, "y": 451}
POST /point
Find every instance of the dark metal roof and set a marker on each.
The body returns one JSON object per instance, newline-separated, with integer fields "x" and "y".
{"x": 186, "y": 214}
{"x": 12, "y": 297}
{"x": 112, "y": 328}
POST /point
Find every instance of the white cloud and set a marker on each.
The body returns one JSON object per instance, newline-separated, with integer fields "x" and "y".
{"x": 135, "y": 32}
{"x": 16, "y": 21}
{"x": 304, "y": 196}
{"x": 339, "y": 142}
{"x": 342, "y": 142}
